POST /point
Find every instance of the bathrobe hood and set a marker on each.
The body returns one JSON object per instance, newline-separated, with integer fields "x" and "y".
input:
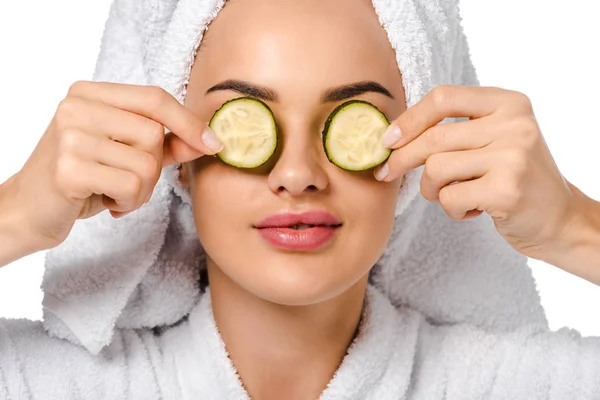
{"x": 145, "y": 270}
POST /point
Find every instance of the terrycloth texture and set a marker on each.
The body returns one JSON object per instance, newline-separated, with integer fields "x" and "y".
{"x": 396, "y": 355}
{"x": 143, "y": 270}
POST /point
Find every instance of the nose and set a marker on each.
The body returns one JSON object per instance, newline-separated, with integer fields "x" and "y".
{"x": 299, "y": 168}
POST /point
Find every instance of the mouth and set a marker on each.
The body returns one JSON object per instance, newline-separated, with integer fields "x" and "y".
{"x": 307, "y": 231}
{"x": 308, "y": 219}
{"x": 299, "y": 227}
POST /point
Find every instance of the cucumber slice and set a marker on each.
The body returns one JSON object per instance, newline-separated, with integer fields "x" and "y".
{"x": 246, "y": 127}
{"x": 352, "y": 136}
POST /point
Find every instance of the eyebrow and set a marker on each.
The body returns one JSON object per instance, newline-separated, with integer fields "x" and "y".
{"x": 330, "y": 95}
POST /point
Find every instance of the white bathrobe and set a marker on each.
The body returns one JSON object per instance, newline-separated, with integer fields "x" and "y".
{"x": 452, "y": 311}
{"x": 396, "y": 355}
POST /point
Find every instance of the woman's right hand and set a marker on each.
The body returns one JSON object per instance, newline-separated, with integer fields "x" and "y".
{"x": 104, "y": 149}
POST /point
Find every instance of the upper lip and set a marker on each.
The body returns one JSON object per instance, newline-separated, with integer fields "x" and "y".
{"x": 312, "y": 217}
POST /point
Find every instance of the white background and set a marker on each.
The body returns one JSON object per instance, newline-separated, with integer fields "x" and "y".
{"x": 539, "y": 47}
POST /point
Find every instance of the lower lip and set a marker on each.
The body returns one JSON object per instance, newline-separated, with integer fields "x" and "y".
{"x": 299, "y": 239}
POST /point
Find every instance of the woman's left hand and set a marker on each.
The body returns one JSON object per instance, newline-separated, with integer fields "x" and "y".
{"x": 498, "y": 160}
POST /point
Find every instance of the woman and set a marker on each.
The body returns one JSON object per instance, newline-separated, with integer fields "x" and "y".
{"x": 105, "y": 148}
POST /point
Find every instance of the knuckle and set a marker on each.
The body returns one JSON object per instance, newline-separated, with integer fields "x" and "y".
{"x": 437, "y": 137}
{"x": 517, "y": 159}
{"x": 528, "y": 131}
{"x": 63, "y": 173}
{"x": 510, "y": 192}
{"x": 434, "y": 168}
{"x": 441, "y": 95}
{"x": 155, "y": 135}
{"x": 522, "y": 101}
{"x": 446, "y": 197}
{"x": 78, "y": 88}
{"x": 70, "y": 140}
{"x": 66, "y": 112}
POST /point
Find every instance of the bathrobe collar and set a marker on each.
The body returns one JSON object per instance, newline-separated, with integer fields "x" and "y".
{"x": 378, "y": 363}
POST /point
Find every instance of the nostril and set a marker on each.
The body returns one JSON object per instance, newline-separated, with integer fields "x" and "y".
{"x": 309, "y": 188}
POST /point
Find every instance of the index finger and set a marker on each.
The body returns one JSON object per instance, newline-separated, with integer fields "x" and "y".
{"x": 151, "y": 102}
{"x": 444, "y": 101}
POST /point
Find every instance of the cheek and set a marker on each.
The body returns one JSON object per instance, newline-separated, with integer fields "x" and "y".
{"x": 372, "y": 211}
{"x": 222, "y": 196}
{"x": 222, "y": 200}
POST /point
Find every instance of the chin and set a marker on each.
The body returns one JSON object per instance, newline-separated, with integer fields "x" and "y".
{"x": 299, "y": 281}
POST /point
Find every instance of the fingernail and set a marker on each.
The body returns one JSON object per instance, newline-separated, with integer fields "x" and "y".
{"x": 391, "y": 135}
{"x": 381, "y": 173}
{"x": 211, "y": 141}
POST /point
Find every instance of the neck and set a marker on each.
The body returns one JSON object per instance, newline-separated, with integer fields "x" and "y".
{"x": 281, "y": 351}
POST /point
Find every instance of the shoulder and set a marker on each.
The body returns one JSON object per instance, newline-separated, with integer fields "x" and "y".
{"x": 528, "y": 362}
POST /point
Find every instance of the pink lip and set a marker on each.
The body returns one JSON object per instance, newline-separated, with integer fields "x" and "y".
{"x": 313, "y": 217}
{"x": 276, "y": 229}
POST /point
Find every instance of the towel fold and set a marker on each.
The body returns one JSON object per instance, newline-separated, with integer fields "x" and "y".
{"x": 145, "y": 269}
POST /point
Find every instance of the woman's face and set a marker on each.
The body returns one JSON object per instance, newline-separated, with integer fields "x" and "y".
{"x": 297, "y": 51}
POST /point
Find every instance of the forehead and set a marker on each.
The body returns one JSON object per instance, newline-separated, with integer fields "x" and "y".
{"x": 306, "y": 43}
